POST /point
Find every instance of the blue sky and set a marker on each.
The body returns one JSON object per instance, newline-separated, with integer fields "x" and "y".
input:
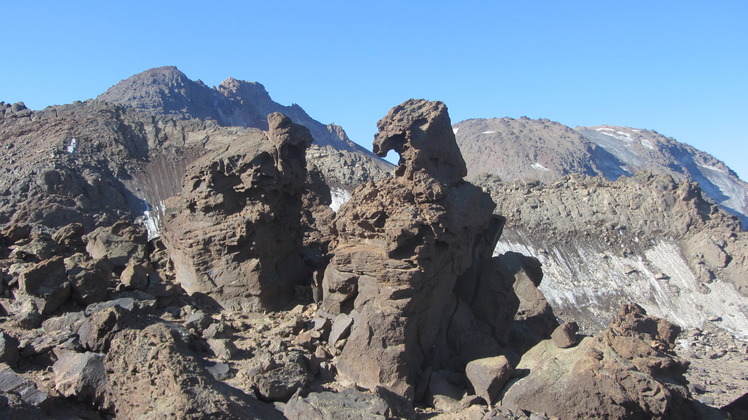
{"x": 678, "y": 67}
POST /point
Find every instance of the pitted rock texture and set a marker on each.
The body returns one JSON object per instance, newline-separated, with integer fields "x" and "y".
{"x": 401, "y": 245}
{"x": 234, "y": 233}
{"x": 420, "y": 132}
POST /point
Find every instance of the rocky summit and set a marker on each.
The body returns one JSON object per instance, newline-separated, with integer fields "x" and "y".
{"x": 171, "y": 250}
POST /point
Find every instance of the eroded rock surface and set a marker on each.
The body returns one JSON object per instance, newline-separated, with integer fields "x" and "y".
{"x": 401, "y": 245}
{"x": 234, "y": 233}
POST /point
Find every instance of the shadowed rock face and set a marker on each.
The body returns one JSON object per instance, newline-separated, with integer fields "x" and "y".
{"x": 401, "y": 245}
{"x": 234, "y": 232}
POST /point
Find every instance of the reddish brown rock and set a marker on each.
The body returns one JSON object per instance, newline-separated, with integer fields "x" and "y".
{"x": 565, "y": 335}
{"x": 401, "y": 245}
{"x": 234, "y": 233}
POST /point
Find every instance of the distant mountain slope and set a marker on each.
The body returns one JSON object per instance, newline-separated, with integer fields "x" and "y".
{"x": 168, "y": 91}
{"x": 526, "y": 149}
{"x": 646, "y": 239}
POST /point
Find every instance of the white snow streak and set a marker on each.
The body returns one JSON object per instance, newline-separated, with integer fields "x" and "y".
{"x": 72, "y": 146}
{"x": 646, "y": 143}
{"x": 539, "y": 167}
{"x": 339, "y": 197}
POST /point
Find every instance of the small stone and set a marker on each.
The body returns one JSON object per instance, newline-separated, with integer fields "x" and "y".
{"x": 220, "y": 371}
{"x": 222, "y": 348}
{"x": 8, "y": 349}
{"x": 341, "y": 327}
{"x": 565, "y": 335}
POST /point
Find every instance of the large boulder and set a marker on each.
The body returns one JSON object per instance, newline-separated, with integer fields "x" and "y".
{"x": 402, "y": 243}
{"x": 152, "y": 374}
{"x": 627, "y": 372}
{"x": 234, "y": 233}
{"x": 46, "y": 283}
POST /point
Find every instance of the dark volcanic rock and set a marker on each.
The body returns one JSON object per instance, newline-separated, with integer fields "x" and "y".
{"x": 401, "y": 245}
{"x": 234, "y": 233}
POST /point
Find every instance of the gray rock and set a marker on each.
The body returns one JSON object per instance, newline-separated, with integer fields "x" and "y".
{"x": 97, "y": 331}
{"x": 198, "y": 321}
{"x": 219, "y": 370}
{"x": 80, "y": 375}
{"x": 283, "y": 376}
{"x": 341, "y": 327}
{"x": 8, "y": 349}
{"x": 69, "y": 321}
{"x": 488, "y": 376}
{"x": 47, "y": 281}
{"x": 347, "y": 404}
{"x": 11, "y": 382}
{"x": 218, "y": 329}
{"x": 222, "y": 348}
{"x": 135, "y": 275}
{"x": 90, "y": 279}
{"x": 119, "y": 243}
{"x": 26, "y": 313}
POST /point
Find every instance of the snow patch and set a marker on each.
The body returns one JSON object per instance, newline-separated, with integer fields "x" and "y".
{"x": 620, "y": 135}
{"x": 712, "y": 168}
{"x": 539, "y": 167}
{"x": 455, "y": 129}
{"x": 646, "y": 143}
{"x": 72, "y": 146}
{"x": 151, "y": 219}
{"x": 339, "y": 197}
{"x": 489, "y": 132}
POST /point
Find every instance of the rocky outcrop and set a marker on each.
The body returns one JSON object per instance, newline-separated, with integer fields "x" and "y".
{"x": 234, "y": 233}
{"x": 629, "y": 371}
{"x": 402, "y": 244}
{"x": 152, "y": 374}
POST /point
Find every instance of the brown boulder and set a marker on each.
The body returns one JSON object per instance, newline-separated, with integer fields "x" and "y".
{"x": 151, "y": 374}
{"x": 565, "y": 335}
{"x": 234, "y": 233}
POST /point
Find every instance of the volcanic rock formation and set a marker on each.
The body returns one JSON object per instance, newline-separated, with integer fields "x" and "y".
{"x": 234, "y": 233}
{"x": 402, "y": 245}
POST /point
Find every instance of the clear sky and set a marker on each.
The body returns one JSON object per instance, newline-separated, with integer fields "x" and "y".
{"x": 678, "y": 67}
